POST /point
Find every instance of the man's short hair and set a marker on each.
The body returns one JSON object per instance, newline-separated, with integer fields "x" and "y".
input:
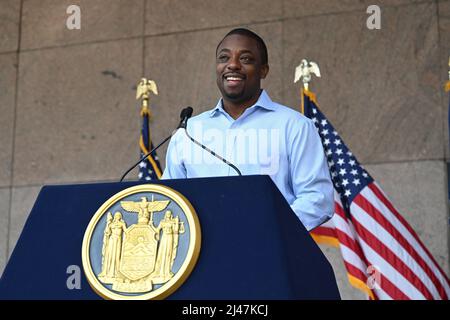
{"x": 259, "y": 42}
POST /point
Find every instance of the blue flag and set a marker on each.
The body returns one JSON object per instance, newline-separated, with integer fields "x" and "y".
{"x": 447, "y": 89}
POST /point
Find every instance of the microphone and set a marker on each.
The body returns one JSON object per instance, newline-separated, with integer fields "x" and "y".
{"x": 186, "y": 113}
{"x": 183, "y": 125}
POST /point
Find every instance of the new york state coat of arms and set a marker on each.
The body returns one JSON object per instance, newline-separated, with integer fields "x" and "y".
{"x": 142, "y": 243}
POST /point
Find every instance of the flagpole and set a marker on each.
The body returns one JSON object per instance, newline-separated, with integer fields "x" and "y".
{"x": 447, "y": 85}
{"x": 447, "y": 89}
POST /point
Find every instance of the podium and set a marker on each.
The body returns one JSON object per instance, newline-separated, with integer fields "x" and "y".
{"x": 253, "y": 245}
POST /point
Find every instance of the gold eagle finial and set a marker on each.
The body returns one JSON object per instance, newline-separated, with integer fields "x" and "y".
{"x": 145, "y": 87}
{"x": 143, "y": 90}
{"x": 304, "y": 71}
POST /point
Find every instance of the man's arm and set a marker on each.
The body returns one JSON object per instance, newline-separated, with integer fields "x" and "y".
{"x": 310, "y": 176}
{"x": 175, "y": 168}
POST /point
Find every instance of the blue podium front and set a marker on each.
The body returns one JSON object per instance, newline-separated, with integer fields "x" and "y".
{"x": 253, "y": 245}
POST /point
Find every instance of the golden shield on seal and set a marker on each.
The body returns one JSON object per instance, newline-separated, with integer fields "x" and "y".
{"x": 142, "y": 243}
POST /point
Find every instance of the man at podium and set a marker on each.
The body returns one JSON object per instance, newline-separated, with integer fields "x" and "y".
{"x": 254, "y": 133}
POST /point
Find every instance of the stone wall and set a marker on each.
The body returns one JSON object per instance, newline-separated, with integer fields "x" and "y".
{"x": 68, "y": 113}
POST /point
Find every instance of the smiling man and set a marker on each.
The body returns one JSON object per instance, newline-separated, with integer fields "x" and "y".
{"x": 241, "y": 63}
{"x": 256, "y": 134}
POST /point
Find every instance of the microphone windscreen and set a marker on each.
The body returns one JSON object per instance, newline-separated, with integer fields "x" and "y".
{"x": 186, "y": 113}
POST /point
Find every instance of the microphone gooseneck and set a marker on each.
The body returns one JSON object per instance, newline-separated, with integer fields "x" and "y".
{"x": 144, "y": 157}
{"x": 213, "y": 153}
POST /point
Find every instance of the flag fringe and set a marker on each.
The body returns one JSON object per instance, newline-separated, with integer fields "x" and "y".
{"x": 354, "y": 282}
{"x": 360, "y": 285}
{"x": 331, "y": 241}
{"x": 310, "y": 95}
{"x": 447, "y": 86}
{"x": 150, "y": 158}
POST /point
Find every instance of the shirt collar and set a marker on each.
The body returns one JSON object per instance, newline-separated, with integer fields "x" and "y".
{"x": 264, "y": 102}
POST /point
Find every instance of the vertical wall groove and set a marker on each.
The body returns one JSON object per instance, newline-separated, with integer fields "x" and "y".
{"x": 444, "y": 66}
{"x": 13, "y": 148}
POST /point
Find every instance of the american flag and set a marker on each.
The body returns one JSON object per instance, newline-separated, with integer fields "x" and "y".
{"x": 382, "y": 254}
{"x": 150, "y": 168}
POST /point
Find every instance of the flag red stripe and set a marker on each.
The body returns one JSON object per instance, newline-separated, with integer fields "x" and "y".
{"x": 352, "y": 245}
{"x": 387, "y": 203}
{"x": 392, "y": 259}
{"x": 367, "y": 206}
{"x": 354, "y": 271}
{"x": 391, "y": 289}
{"x": 324, "y": 231}
{"x": 340, "y": 211}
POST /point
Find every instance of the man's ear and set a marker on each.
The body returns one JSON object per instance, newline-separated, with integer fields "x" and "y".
{"x": 264, "y": 71}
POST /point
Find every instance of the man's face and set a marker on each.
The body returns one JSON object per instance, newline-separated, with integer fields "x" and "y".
{"x": 238, "y": 68}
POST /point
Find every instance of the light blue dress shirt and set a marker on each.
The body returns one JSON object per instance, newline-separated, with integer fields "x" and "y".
{"x": 268, "y": 138}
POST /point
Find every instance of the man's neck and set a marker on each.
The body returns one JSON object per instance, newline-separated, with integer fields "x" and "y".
{"x": 236, "y": 109}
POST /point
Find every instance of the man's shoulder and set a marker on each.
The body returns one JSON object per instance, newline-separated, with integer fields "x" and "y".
{"x": 290, "y": 114}
{"x": 202, "y": 116}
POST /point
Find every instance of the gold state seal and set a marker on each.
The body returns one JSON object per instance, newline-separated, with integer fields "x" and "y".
{"x": 142, "y": 243}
